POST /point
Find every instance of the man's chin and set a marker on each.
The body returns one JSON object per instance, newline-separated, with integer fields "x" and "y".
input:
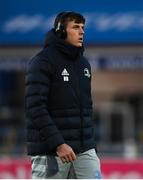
{"x": 79, "y": 45}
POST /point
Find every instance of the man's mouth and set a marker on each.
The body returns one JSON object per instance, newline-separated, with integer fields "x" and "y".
{"x": 80, "y": 39}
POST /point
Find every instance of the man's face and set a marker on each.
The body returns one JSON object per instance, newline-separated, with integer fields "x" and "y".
{"x": 75, "y": 33}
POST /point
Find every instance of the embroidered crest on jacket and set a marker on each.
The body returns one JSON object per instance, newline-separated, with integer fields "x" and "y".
{"x": 87, "y": 73}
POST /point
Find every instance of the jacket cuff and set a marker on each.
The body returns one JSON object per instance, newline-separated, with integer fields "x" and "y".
{"x": 54, "y": 141}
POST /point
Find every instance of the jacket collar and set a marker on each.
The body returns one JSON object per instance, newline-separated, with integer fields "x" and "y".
{"x": 72, "y": 52}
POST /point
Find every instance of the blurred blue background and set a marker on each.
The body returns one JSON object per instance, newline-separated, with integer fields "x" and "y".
{"x": 114, "y": 47}
{"x": 108, "y": 21}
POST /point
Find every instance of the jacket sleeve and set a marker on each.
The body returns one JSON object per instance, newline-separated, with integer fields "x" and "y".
{"x": 38, "y": 79}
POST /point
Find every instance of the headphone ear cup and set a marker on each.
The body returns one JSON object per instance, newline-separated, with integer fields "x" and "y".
{"x": 63, "y": 32}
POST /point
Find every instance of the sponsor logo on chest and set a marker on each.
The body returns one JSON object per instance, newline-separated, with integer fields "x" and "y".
{"x": 65, "y": 75}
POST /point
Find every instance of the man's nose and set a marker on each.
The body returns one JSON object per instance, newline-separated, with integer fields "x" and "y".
{"x": 81, "y": 31}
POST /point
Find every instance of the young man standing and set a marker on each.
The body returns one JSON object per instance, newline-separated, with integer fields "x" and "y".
{"x": 59, "y": 106}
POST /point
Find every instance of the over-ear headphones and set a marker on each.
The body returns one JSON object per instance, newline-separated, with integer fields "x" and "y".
{"x": 59, "y": 24}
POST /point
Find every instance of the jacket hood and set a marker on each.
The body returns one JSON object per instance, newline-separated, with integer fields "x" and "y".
{"x": 69, "y": 50}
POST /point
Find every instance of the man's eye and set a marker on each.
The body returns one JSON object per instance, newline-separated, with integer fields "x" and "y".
{"x": 76, "y": 27}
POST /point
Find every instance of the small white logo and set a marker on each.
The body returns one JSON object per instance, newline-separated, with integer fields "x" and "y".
{"x": 65, "y": 75}
{"x": 87, "y": 73}
{"x": 66, "y": 78}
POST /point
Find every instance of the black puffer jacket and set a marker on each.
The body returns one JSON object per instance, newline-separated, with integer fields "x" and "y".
{"x": 58, "y": 99}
